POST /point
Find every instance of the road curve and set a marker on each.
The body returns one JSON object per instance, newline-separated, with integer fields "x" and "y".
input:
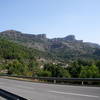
{"x": 41, "y": 91}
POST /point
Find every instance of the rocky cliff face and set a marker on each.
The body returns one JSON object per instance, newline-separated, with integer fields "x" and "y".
{"x": 67, "y": 47}
{"x": 29, "y": 40}
{"x": 16, "y": 34}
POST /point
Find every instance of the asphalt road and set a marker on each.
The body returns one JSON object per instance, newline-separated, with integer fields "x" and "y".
{"x": 41, "y": 91}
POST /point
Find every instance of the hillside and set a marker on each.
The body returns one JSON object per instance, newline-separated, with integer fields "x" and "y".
{"x": 11, "y": 50}
{"x": 36, "y": 55}
{"x": 62, "y": 49}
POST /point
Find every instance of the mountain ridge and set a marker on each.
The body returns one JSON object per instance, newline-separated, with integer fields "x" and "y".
{"x": 61, "y": 48}
{"x": 43, "y": 36}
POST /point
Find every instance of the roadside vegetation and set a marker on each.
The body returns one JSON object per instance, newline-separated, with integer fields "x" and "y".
{"x": 16, "y": 59}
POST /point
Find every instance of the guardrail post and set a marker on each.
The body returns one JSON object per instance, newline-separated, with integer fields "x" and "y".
{"x": 54, "y": 81}
{"x": 82, "y": 82}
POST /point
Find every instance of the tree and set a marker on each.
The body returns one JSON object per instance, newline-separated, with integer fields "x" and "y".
{"x": 89, "y": 72}
{"x": 33, "y": 67}
{"x": 61, "y": 72}
{"x": 15, "y": 67}
{"x": 44, "y": 73}
{"x": 74, "y": 69}
{"x": 98, "y": 65}
{"x": 56, "y": 70}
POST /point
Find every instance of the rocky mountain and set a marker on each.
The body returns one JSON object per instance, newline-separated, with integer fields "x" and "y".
{"x": 59, "y": 48}
{"x": 30, "y": 40}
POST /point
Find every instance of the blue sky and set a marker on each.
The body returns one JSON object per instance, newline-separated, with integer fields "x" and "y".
{"x": 56, "y": 18}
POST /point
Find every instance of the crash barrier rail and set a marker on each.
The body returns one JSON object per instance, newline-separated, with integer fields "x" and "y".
{"x": 82, "y": 80}
{"x": 10, "y": 96}
{"x": 63, "y": 80}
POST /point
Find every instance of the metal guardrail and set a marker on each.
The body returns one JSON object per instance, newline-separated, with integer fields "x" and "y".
{"x": 10, "y": 96}
{"x": 82, "y": 80}
{"x": 59, "y": 79}
{"x": 68, "y": 79}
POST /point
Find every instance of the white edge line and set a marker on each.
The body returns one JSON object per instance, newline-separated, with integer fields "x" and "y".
{"x": 74, "y": 94}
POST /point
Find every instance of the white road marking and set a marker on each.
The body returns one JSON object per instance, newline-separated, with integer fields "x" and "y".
{"x": 25, "y": 87}
{"x": 58, "y": 92}
{"x": 83, "y": 87}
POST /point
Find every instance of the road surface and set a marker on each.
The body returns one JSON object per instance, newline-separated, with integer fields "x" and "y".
{"x": 41, "y": 91}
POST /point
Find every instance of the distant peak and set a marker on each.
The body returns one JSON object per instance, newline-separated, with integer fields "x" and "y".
{"x": 70, "y": 37}
{"x": 10, "y": 32}
{"x": 42, "y": 36}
